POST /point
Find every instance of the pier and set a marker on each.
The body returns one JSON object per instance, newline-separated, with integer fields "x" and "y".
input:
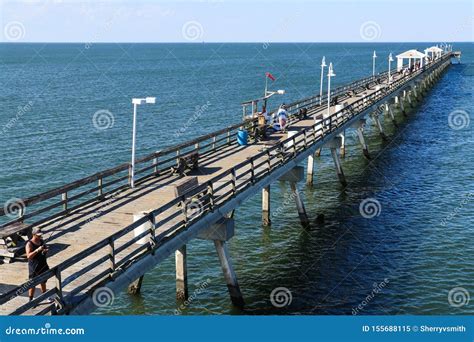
{"x": 105, "y": 235}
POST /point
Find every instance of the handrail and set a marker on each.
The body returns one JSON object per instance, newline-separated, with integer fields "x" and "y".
{"x": 260, "y": 165}
{"x": 157, "y": 165}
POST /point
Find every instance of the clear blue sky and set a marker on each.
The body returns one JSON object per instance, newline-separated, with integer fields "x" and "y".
{"x": 236, "y": 21}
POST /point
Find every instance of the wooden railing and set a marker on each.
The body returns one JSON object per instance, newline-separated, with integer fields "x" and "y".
{"x": 113, "y": 255}
{"x": 55, "y": 203}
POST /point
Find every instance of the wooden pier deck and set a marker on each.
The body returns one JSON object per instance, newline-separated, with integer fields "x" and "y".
{"x": 90, "y": 229}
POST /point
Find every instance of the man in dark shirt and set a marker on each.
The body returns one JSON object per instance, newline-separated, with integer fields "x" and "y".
{"x": 36, "y": 252}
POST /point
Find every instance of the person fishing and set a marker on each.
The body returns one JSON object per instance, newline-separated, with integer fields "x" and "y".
{"x": 282, "y": 116}
{"x": 36, "y": 251}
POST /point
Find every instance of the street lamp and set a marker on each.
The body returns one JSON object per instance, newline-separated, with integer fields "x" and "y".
{"x": 136, "y": 102}
{"x": 390, "y": 60}
{"x": 330, "y": 74}
{"x": 373, "y": 63}
{"x": 323, "y": 64}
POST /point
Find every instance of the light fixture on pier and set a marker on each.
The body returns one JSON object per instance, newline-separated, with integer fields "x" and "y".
{"x": 323, "y": 65}
{"x": 330, "y": 74}
{"x": 390, "y": 60}
{"x": 373, "y": 63}
{"x": 136, "y": 102}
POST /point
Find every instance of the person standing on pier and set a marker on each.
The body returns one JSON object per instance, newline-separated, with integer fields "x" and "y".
{"x": 36, "y": 251}
{"x": 282, "y": 117}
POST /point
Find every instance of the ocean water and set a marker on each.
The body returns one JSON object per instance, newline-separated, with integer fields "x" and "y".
{"x": 415, "y": 257}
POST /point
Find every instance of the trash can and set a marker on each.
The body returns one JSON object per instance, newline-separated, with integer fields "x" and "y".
{"x": 242, "y": 137}
{"x": 290, "y": 134}
{"x": 142, "y": 228}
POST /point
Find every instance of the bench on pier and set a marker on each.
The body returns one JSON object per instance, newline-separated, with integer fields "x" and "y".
{"x": 189, "y": 162}
{"x": 196, "y": 202}
{"x": 13, "y": 240}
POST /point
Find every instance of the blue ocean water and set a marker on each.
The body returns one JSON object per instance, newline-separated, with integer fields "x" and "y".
{"x": 415, "y": 252}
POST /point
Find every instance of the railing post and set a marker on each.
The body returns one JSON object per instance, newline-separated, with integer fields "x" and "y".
{"x": 59, "y": 286}
{"x": 155, "y": 164}
{"x": 228, "y": 137}
{"x": 152, "y": 231}
{"x": 178, "y": 153}
{"x": 64, "y": 200}
{"x": 234, "y": 181}
{"x": 252, "y": 171}
{"x": 111, "y": 255}
{"x": 269, "y": 161}
{"x": 99, "y": 185}
{"x": 214, "y": 143}
{"x": 130, "y": 174}
{"x": 210, "y": 191}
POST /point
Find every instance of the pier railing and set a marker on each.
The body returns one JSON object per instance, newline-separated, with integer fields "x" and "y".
{"x": 56, "y": 203}
{"x": 110, "y": 256}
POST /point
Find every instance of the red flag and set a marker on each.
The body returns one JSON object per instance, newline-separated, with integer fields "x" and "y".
{"x": 270, "y": 76}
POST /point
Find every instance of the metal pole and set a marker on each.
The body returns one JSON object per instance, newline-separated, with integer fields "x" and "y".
{"x": 266, "y": 85}
{"x": 373, "y": 66}
{"x": 134, "y": 133}
{"x": 329, "y": 89}
{"x": 321, "y": 85}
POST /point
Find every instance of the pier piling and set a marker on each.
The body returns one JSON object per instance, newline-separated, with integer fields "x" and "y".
{"x": 229, "y": 273}
{"x": 266, "y": 221}
{"x": 310, "y": 170}
{"x": 181, "y": 256}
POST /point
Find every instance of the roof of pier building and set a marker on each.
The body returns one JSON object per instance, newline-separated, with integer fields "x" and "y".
{"x": 411, "y": 54}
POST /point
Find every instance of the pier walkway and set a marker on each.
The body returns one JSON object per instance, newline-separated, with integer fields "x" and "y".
{"x": 98, "y": 240}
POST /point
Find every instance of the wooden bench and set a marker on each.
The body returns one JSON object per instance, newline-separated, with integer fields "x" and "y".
{"x": 12, "y": 241}
{"x": 185, "y": 185}
{"x": 188, "y": 162}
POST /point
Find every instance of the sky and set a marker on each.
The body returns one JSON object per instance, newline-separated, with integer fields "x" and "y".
{"x": 236, "y": 21}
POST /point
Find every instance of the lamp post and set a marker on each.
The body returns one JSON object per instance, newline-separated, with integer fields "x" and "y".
{"x": 136, "y": 102}
{"x": 390, "y": 60}
{"x": 373, "y": 63}
{"x": 330, "y": 74}
{"x": 323, "y": 64}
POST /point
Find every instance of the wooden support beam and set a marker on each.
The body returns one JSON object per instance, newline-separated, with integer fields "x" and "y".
{"x": 337, "y": 163}
{"x": 182, "y": 292}
{"x": 266, "y": 206}
{"x": 360, "y": 134}
{"x": 300, "y": 206}
{"x": 135, "y": 287}
{"x": 379, "y": 126}
{"x": 343, "y": 144}
{"x": 229, "y": 273}
{"x": 333, "y": 146}
{"x": 389, "y": 111}
{"x": 310, "y": 170}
